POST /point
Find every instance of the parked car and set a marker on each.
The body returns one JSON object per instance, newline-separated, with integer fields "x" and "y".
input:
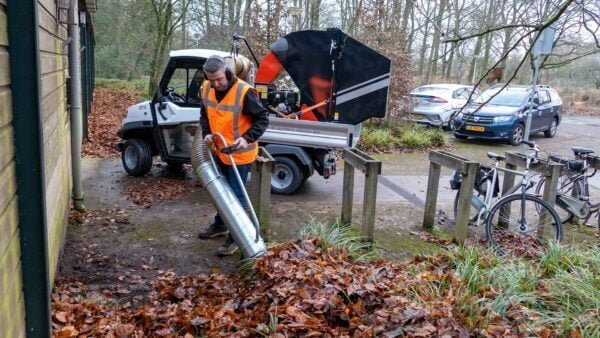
{"x": 505, "y": 115}
{"x": 435, "y": 104}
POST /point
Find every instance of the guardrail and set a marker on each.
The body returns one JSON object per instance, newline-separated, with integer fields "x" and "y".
{"x": 260, "y": 189}
{"x": 468, "y": 169}
{"x": 371, "y": 168}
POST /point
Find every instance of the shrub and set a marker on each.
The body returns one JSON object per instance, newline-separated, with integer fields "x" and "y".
{"x": 377, "y": 139}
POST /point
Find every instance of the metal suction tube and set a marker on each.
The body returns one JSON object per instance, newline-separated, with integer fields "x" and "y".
{"x": 244, "y": 232}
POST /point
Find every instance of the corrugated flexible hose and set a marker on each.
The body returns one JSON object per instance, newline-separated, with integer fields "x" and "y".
{"x": 244, "y": 231}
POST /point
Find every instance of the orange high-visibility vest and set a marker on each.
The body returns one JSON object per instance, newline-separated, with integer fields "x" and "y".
{"x": 226, "y": 118}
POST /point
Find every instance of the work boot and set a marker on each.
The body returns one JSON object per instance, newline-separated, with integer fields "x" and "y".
{"x": 228, "y": 248}
{"x": 214, "y": 230}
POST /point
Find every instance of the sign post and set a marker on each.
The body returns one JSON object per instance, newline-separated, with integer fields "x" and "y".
{"x": 543, "y": 46}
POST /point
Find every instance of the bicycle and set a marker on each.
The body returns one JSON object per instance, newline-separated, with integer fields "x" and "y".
{"x": 520, "y": 235}
{"x": 573, "y": 193}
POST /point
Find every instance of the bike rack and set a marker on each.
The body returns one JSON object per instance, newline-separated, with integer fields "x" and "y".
{"x": 550, "y": 169}
{"x": 371, "y": 168}
{"x": 260, "y": 193}
{"x": 468, "y": 169}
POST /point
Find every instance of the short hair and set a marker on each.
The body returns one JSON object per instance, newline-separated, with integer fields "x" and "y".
{"x": 214, "y": 64}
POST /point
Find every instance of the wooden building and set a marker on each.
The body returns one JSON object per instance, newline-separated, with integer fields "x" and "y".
{"x": 35, "y": 154}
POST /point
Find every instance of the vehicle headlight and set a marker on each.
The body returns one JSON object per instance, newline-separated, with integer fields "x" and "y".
{"x": 507, "y": 118}
{"x": 459, "y": 116}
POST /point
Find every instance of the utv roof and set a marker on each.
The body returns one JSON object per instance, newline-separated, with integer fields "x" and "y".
{"x": 198, "y": 53}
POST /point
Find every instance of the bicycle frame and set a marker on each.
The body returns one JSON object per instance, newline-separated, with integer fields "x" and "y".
{"x": 579, "y": 203}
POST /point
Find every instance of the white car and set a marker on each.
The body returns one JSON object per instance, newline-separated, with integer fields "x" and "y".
{"x": 435, "y": 104}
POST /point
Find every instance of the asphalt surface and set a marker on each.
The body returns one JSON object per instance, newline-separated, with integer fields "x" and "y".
{"x": 404, "y": 176}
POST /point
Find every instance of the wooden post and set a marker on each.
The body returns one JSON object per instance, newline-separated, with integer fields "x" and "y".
{"x": 433, "y": 183}
{"x": 370, "y": 197}
{"x": 507, "y": 184}
{"x": 464, "y": 202}
{"x": 347, "y": 194}
{"x": 260, "y": 184}
{"x": 552, "y": 174}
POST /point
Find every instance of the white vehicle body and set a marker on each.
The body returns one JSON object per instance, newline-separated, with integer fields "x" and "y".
{"x": 435, "y": 104}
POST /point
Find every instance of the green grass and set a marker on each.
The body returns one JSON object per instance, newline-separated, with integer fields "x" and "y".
{"x": 561, "y": 290}
{"x": 389, "y": 136}
{"x": 137, "y": 85}
{"x": 338, "y": 236}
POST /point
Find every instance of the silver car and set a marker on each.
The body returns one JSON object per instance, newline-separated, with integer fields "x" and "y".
{"x": 435, "y": 104}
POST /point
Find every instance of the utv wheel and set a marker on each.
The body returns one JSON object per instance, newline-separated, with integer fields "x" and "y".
{"x": 517, "y": 135}
{"x": 136, "y": 157}
{"x": 287, "y": 176}
{"x": 552, "y": 130}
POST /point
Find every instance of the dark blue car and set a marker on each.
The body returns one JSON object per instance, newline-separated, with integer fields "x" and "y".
{"x": 504, "y": 117}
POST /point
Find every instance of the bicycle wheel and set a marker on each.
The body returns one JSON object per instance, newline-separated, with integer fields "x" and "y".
{"x": 522, "y": 227}
{"x": 563, "y": 188}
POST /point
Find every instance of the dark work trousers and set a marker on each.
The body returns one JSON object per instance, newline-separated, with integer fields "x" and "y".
{"x": 229, "y": 174}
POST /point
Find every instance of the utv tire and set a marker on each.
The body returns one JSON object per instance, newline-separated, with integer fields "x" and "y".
{"x": 136, "y": 157}
{"x": 287, "y": 176}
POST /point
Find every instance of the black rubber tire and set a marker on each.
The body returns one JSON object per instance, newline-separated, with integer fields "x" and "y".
{"x": 539, "y": 205}
{"x": 552, "y": 129}
{"x": 461, "y": 137}
{"x": 136, "y": 157}
{"x": 517, "y": 135}
{"x": 287, "y": 176}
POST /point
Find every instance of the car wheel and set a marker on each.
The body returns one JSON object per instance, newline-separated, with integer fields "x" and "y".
{"x": 136, "y": 157}
{"x": 461, "y": 137}
{"x": 517, "y": 135}
{"x": 552, "y": 130}
{"x": 287, "y": 176}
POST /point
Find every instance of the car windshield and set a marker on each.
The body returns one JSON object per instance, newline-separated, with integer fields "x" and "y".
{"x": 505, "y": 98}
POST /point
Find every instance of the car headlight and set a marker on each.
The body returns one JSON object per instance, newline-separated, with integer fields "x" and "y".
{"x": 507, "y": 118}
{"x": 459, "y": 116}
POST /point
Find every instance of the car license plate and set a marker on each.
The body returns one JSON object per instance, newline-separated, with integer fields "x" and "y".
{"x": 415, "y": 116}
{"x": 475, "y": 128}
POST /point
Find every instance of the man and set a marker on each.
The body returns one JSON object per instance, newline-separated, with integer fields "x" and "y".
{"x": 231, "y": 107}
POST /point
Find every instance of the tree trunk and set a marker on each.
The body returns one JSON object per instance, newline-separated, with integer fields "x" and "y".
{"x": 435, "y": 45}
{"x": 488, "y": 39}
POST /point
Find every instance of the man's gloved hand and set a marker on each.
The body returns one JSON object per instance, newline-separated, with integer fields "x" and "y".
{"x": 208, "y": 139}
{"x": 241, "y": 143}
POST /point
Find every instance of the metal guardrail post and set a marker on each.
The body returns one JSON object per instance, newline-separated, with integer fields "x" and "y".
{"x": 354, "y": 158}
{"x": 260, "y": 183}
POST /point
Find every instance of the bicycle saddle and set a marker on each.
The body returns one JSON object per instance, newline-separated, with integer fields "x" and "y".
{"x": 582, "y": 150}
{"x": 495, "y": 156}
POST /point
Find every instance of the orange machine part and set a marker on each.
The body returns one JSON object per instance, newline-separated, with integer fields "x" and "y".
{"x": 268, "y": 70}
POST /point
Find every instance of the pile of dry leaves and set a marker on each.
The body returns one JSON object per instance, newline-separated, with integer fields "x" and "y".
{"x": 145, "y": 192}
{"x": 297, "y": 289}
{"x": 109, "y": 109}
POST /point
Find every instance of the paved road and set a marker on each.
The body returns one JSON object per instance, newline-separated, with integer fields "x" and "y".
{"x": 404, "y": 176}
